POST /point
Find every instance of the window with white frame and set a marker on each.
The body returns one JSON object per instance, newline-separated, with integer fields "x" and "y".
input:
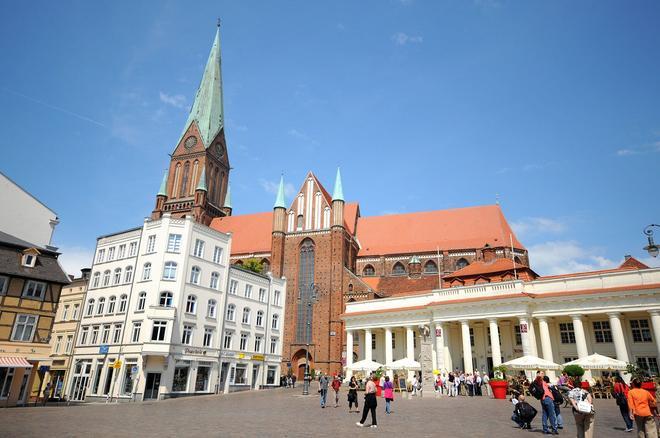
{"x": 191, "y": 304}
{"x": 602, "y": 331}
{"x": 215, "y": 280}
{"x": 95, "y": 335}
{"x": 76, "y": 309}
{"x": 217, "y": 255}
{"x": 84, "y": 331}
{"x": 24, "y": 328}
{"x": 165, "y": 299}
{"x": 246, "y": 315}
{"x": 174, "y": 243}
{"x": 105, "y": 334}
{"x": 100, "y": 256}
{"x": 34, "y": 289}
{"x": 248, "y": 291}
{"x": 198, "y": 250}
{"x": 226, "y": 340}
{"x": 151, "y": 243}
{"x": 648, "y": 364}
{"x": 257, "y": 344}
{"x": 128, "y": 274}
{"x": 116, "y": 333}
{"x": 262, "y": 294}
{"x": 121, "y": 253}
{"x": 111, "y": 253}
{"x": 106, "y": 278}
{"x": 169, "y": 271}
{"x": 566, "y": 333}
{"x": 195, "y": 273}
{"x": 641, "y": 331}
{"x": 276, "y": 322}
{"x": 29, "y": 260}
{"x": 117, "y": 277}
{"x": 146, "y": 272}
{"x": 244, "y": 341}
{"x": 273, "y": 345}
{"x": 123, "y": 302}
{"x": 208, "y": 337}
{"x": 96, "y": 280}
{"x": 65, "y": 312}
{"x": 69, "y": 344}
{"x": 141, "y": 301}
{"x": 231, "y": 312}
{"x": 276, "y": 297}
{"x": 186, "y": 335}
{"x": 211, "y": 308}
{"x": 233, "y": 287}
{"x": 260, "y": 318}
{"x": 158, "y": 331}
{"x": 132, "y": 249}
{"x": 111, "y": 304}
{"x": 518, "y": 336}
{"x": 90, "y": 307}
{"x": 135, "y": 335}
{"x": 101, "y": 306}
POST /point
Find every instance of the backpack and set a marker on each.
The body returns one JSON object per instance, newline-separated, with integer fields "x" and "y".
{"x": 620, "y": 398}
{"x": 556, "y": 395}
{"x": 536, "y": 390}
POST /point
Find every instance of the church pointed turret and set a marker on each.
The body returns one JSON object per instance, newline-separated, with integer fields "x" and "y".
{"x": 207, "y": 109}
{"x": 280, "y": 202}
{"x": 338, "y": 192}
{"x": 202, "y": 181}
{"x": 163, "y": 185}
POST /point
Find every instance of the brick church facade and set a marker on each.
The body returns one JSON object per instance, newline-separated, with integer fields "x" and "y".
{"x": 328, "y": 252}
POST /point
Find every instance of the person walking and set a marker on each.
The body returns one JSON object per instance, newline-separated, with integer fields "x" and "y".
{"x": 451, "y": 385}
{"x": 557, "y": 399}
{"x": 323, "y": 389}
{"x": 370, "y": 403}
{"x": 549, "y": 419}
{"x": 352, "y": 395}
{"x": 620, "y": 392}
{"x": 293, "y": 380}
{"x": 336, "y": 385}
{"x": 414, "y": 384}
{"x": 388, "y": 393}
{"x": 485, "y": 380}
{"x": 643, "y": 408}
{"x": 583, "y": 411}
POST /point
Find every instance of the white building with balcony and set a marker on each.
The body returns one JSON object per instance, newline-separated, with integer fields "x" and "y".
{"x": 561, "y": 318}
{"x": 154, "y": 314}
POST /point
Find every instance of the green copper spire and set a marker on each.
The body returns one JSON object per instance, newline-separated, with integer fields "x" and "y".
{"x": 228, "y": 197}
{"x": 202, "y": 180}
{"x": 338, "y": 192}
{"x": 207, "y": 109}
{"x": 163, "y": 185}
{"x": 279, "y": 201}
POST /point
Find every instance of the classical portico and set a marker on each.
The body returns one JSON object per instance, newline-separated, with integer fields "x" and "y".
{"x": 479, "y": 327}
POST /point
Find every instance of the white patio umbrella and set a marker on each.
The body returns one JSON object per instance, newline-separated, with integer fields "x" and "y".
{"x": 404, "y": 364}
{"x": 365, "y": 365}
{"x": 530, "y": 362}
{"x": 598, "y": 362}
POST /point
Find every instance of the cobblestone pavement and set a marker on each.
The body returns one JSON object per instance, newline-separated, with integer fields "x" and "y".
{"x": 284, "y": 412}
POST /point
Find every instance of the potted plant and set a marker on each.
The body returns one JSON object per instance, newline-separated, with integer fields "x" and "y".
{"x": 576, "y": 371}
{"x": 499, "y": 382}
{"x": 377, "y": 375}
{"x": 640, "y": 374}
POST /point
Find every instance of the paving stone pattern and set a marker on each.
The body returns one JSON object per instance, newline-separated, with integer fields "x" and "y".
{"x": 285, "y": 413}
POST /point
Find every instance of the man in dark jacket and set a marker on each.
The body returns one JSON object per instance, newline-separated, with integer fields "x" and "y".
{"x": 523, "y": 413}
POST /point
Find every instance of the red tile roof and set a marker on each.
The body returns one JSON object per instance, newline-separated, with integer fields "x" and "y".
{"x": 460, "y": 228}
{"x": 251, "y": 233}
{"x": 482, "y": 268}
{"x": 627, "y": 265}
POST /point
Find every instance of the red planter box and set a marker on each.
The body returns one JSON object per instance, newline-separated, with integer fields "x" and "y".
{"x": 499, "y": 388}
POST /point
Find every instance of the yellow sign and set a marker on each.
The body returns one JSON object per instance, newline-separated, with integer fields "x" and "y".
{"x": 258, "y": 357}
{"x": 241, "y": 355}
{"x": 436, "y": 372}
{"x": 117, "y": 364}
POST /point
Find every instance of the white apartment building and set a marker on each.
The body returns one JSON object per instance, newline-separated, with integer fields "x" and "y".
{"x": 154, "y": 313}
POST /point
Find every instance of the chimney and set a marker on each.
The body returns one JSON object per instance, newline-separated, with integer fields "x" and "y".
{"x": 627, "y": 257}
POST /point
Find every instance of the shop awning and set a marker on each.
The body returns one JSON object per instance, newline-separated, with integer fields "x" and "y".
{"x": 14, "y": 362}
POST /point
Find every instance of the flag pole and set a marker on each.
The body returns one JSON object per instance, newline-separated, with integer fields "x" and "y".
{"x": 439, "y": 273}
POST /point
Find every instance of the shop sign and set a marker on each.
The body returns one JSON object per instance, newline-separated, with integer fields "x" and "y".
{"x": 227, "y": 354}
{"x": 44, "y": 368}
{"x": 438, "y": 332}
{"x": 258, "y": 357}
{"x": 134, "y": 369}
{"x": 333, "y": 333}
{"x": 198, "y": 351}
{"x": 117, "y": 364}
{"x": 523, "y": 328}
{"x": 104, "y": 348}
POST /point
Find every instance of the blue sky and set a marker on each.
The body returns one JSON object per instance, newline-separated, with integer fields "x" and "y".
{"x": 552, "y": 106}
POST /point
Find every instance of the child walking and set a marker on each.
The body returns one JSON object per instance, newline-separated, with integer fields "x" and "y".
{"x": 388, "y": 393}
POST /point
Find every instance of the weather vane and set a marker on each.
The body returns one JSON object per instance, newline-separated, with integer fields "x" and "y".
{"x": 218, "y": 21}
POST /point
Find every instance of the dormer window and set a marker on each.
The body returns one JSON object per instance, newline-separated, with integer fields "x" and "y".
{"x": 29, "y": 260}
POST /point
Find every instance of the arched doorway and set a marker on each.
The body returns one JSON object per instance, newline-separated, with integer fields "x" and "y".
{"x": 298, "y": 362}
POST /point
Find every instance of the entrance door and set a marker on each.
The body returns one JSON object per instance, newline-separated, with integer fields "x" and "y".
{"x": 301, "y": 372}
{"x": 151, "y": 386}
{"x": 255, "y": 374}
{"x": 80, "y": 381}
{"x": 224, "y": 372}
{"x": 489, "y": 364}
{"x": 22, "y": 394}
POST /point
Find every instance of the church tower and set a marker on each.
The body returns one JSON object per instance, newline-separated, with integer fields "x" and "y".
{"x": 197, "y": 182}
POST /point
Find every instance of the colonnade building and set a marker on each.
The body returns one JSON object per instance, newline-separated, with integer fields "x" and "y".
{"x": 559, "y": 318}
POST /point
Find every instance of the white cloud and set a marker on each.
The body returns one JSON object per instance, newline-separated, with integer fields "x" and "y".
{"x": 562, "y": 257}
{"x": 177, "y": 100}
{"x": 538, "y": 225}
{"x": 648, "y": 148}
{"x": 272, "y": 186}
{"x": 401, "y": 39}
{"x": 73, "y": 258}
{"x": 651, "y": 262}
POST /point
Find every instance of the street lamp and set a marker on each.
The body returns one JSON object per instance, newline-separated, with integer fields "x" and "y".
{"x": 652, "y": 248}
{"x": 309, "y": 302}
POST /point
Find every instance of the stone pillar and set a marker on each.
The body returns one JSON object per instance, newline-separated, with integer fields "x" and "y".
{"x": 496, "y": 353}
{"x": 618, "y": 337}
{"x": 507, "y": 341}
{"x": 546, "y": 344}
{"x": 440, "y": 340}
{"x": 532, "y": 337}
{"x": 367, "y": 345}
{"x": 388, "y": 350}
{"x": 525, "y": 336}
{"x": 655, "y": 322}
{"x": 581, "y": 342}
{"x": 426, "y": 362}
{"x": 410, "y": 343}
{"x": 349, "y": 353}
{"x": 467, "y": 347}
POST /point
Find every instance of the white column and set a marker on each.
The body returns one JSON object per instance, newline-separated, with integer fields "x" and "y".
{"x": 349, "y": 353}
{"x": 618, "y": 336}
{"x": 496, "y": 353}
{"x": 388, "y": 350}
{"x": 367, "y": 345}
{"x": 467, "y": 347}
{"x": 655, "y": 321}
{"x": 446, "y": 343}
{"x": 532, "y": 337}
{"x": 440, "y": 334}
{"x": 546, "y": 344}
{"x": 581, "y": 342}
{"x": 525, "y": 336}
{"x": 410, "y": 343}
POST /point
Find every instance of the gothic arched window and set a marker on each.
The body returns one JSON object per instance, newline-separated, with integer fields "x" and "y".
{"x": 306, "y": 287}
{"x": 398, "y": 269}
{"x": 430, "y": 267}
{"x": 184, "y": 179}
{"x": 368, "y": 271}
{"x": 461, "y": 263}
